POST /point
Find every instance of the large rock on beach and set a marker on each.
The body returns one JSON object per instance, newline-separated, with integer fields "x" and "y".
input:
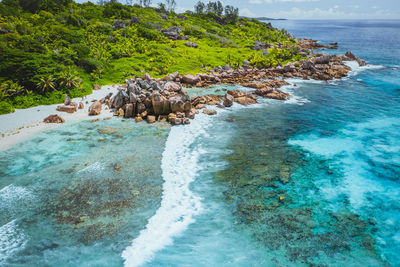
{"x": 53, "y": 119}
{"x": 67, "y": 100}
{"x": 69, "y": 109}
{"x": 129, "y": 110}
{"x": 95, "y": 108}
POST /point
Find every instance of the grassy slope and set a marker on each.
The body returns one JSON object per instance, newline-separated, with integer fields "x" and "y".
{"x": 119, "y": 54}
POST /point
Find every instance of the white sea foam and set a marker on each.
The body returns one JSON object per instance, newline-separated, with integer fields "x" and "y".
{"x": 179, "y": 204}
{"x": 14, "y": 198}
{"x": 291, "y": 89}
{"x": 12, "y": 240}
{"x": 356, "y": 68}
{"x": 95, "y": 167}
{"x": 12, "y": 192}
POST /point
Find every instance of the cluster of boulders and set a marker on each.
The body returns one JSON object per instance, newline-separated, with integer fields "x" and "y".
{"x": 153, "y": 100}
{"x": 268, "y": 89}
{"x": 320, "y": 67}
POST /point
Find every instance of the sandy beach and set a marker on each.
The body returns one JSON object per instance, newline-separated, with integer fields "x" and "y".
{"x": 24, "y": 123}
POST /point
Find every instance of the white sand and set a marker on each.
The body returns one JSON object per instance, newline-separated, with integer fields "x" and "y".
{"x": 23, "y": 123}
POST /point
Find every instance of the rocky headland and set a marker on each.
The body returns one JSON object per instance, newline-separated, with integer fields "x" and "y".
{"x": 165, "y": 100}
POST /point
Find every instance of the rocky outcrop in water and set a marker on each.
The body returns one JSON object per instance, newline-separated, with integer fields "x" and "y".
{"x": 313, "y": 44}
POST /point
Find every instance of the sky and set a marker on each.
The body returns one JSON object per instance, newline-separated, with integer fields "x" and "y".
{"x": 306, "y": 9}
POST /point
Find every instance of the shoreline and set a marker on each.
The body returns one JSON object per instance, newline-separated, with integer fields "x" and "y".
{"x": 24, "y": 123}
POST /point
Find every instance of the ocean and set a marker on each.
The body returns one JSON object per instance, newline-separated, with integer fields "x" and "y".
{"x": 312, "y": 181}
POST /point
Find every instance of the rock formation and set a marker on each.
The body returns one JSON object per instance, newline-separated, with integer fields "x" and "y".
{"x": 54, "y": 119}
{"x": 95, "y": 108}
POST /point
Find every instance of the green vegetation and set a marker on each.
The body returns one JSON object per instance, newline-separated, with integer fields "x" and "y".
{"x": 52, "y": 47}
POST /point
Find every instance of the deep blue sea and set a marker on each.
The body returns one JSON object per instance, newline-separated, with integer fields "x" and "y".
{"x": 312, "y": 181}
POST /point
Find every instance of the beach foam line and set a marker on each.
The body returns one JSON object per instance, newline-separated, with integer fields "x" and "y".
{"x": 12, "y": 240}
{"x": 179, "y": 204}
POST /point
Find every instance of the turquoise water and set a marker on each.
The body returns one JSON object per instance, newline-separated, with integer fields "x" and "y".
{"x": 310, "y": 181}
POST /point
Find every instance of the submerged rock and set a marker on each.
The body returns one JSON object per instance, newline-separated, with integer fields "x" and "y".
{"x": 209, "y": 112}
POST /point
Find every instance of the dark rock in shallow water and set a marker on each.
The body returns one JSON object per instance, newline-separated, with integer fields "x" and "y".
{"x": 350, "y": 55}
{"x": 228, "y": 100}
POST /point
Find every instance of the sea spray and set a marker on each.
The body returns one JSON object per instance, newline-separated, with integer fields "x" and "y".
{"x": 179, "y": 204}
{"x": 12, "y": 240}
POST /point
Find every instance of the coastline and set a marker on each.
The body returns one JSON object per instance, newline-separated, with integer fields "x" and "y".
{"x": 24, "y": 123}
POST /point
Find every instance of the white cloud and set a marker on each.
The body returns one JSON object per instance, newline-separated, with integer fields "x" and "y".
{"x": 246, "y": 12}
{"x": 296, "y": 13}
{"x": 280, "y": 1}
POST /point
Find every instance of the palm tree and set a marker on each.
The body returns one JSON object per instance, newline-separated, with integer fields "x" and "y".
{"x": 46, "y": 83}
{"x": 10, "y": 89}
{"x": 69, "y": 80}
